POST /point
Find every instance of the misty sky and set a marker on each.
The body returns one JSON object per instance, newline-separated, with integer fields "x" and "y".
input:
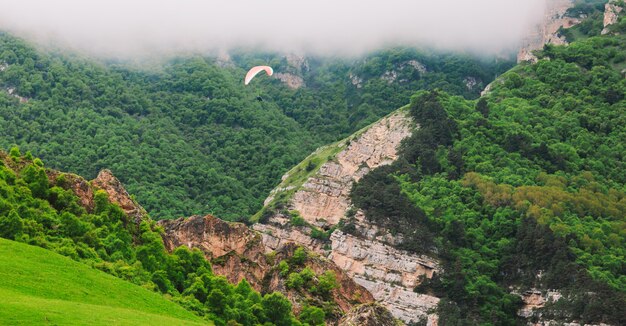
{"x": 135, "y": 27}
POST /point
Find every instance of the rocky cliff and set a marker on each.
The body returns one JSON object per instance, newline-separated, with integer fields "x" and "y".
{"x": 371, "y": 314}
{"x": 105, "y": 181}
{"x": 235, "y": 251}
{"x": 611, "y": 15}
{"x": 546, "y": 32}
{"x": 368, "y": 254}
{"x": 323, "y": 198}
{"x": 238, "y": 252}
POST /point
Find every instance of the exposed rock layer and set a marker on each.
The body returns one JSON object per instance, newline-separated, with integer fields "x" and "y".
{"x": 323, "y": 199}
{"x": 368, "y": 256}
{"x": 546, "y": 32}
{"x": 237, "y": 252}
{"x": 611, "y": 15}
{"x": 368, "y": 315}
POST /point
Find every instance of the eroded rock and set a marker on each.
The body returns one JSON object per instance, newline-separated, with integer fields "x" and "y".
{"x": 546, "y": 32}
{"x": 118, "y": 194}
{"x": 611, "y": 15}
{"x": 237, "y": 252}
{"x": 371, "y": 314}
{"x": 325, "y": 196}
{"x": 368, "y": 255}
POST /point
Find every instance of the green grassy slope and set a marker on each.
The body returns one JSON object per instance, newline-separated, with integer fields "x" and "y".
{"x": 38, "y": 286}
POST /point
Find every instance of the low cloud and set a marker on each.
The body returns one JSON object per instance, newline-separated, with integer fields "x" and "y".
{"x": 139, "y": 27}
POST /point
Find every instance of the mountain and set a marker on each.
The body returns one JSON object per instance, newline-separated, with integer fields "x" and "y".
{"x": 505, "y": 210}
{"x": 42, "y": 287}
{"x": 218, "y": 270}
{"x": 186, "y": 136}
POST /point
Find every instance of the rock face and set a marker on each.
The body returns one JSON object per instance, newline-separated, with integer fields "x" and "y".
{"x": 118, "y": 194}
{"x": 292, "y": 75}
{"x": 278, "y": 232}
{"x": 534, "y": 299}
{"x": 388, "y": 273}
{"x": 106, "y": 181}
{"x": 611, "y": 15}
{"x": 368, "y": 315}
{"x": 368, "y": 254}
{"x": 546, "y": 32}
{"x": 292, "y": 81}
{"x": 238, "y": 252}
{"x": 323, "y": 199}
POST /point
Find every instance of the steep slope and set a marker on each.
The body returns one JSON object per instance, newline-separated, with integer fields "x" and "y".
{"x": 505, "y": 210}
{"x": 312, "y": 199}
{"x": 547, "y": 31}
{"x": 521, "y": 193}
{"x": 38, "y": 286}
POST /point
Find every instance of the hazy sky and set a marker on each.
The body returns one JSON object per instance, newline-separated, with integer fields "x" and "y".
{"x": 131, "y": 27}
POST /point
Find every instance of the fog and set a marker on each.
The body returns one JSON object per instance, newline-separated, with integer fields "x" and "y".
{"x": 140, "y": 27}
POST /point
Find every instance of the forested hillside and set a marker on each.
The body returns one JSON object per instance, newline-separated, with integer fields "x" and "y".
{"x": 523, "y": 189}
{"x": 187, "y": 137}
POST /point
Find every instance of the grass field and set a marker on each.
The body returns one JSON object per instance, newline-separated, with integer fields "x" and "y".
{"x": 38, "y": 287}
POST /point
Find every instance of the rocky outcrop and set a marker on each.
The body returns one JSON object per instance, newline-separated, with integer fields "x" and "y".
{"x": 368, "y": 254}
{"x": 371, "y": 314}
{"x": 534, "y": 300}
{"x": 323, "y": 199}
{"x": 297, "y": 62}
{"x": 106, "y": 181}
{"x": 118, "y": 195}
{"x": 356, "y": 80}
{"x": 371, "y": 258}
{"x": 292, "y": 81}
{"x": 347, "y": 295}
{"x": 81, "y": 188}
{"x": 471, "y": 82}
{"x": 292, "y": 75}
{"x": 611, "y": 15}
{"x": 277, "y": 232}
{"x": 417, "y": 66}
{"x": 546, "y": 32}
{"x": 13, "y": 92}
{"x": 237, "y": 252}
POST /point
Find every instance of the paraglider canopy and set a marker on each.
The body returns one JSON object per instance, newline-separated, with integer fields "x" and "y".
{"x": 255, "y": 70}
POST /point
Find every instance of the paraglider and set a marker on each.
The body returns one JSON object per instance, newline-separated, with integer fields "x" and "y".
{"x": 255, "y": 70}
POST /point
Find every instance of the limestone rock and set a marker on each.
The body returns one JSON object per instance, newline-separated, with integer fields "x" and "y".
{"x": 292, "y": 81}
{"x": 369, "y": 255}
{"x": 611, "y": 15}
{"x": 371, "y": 314}
{"x": 237, "y": 252}
{"x": 118, "y": 194}
{"x": 546, "y": 32}
{"x": 325, "y": 195}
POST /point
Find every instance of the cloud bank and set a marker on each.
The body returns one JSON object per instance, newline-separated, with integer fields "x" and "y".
{"x": 135, "y": 27}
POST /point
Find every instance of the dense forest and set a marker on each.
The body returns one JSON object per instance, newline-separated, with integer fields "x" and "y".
{"x": 522, "y": 189}
{"x": 35, "y": 211}
{"x": 187, "y": 137}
